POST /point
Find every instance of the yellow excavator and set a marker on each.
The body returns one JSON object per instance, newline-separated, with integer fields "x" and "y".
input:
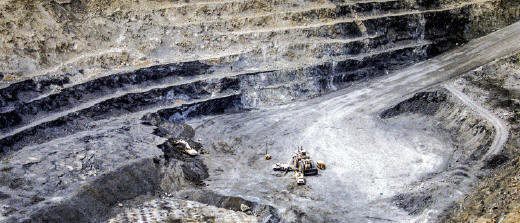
{"x": 303, "y": 163}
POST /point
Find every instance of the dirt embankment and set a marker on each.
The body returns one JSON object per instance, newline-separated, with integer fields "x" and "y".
{"x": 471, "y": 136}
{"x": 496, "y": 86}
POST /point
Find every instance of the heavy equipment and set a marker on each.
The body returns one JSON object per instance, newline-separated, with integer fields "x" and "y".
{"x": 282, "y": 167}
{"x": 300, "y": 180}
{"x": 303, "y": 163}
{"x": 320, "y": 164}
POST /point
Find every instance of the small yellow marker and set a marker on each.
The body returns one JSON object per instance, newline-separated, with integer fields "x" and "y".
{"x": 267, "y": 155}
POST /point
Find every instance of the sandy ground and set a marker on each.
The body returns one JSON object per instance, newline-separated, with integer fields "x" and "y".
{"x": 368, "y": 161}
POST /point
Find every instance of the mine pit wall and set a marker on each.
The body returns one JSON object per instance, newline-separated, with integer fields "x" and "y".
{"x": 81, "y": 120}
{"x": 471, "y": 133}
{"x": 283, "y": 86}
{"x": 145, "y": 32}
{"x": 391, "y": 43}
{"x": 24, "y": 107}
{"x": 146, "y": 176}
{"x": 471, "y": 136}
{"x": 451, "y": 28}
{"x": 473, "y": 20}
{"x": 93, "y": 200}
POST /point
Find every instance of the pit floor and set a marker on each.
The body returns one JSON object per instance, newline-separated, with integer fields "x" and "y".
{"x": 368, "y": 160}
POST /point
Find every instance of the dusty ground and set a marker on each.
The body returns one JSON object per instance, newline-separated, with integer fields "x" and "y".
{"x": 365, "y": 159}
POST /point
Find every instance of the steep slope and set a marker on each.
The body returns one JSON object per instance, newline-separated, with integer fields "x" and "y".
{"x": 495, "y": 86}
{"x": 91, "y": 38}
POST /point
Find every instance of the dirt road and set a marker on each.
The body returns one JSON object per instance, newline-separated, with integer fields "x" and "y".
{"x": 501, "y": 129}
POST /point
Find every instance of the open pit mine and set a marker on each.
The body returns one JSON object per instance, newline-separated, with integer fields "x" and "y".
{"x": 210, "y": 111}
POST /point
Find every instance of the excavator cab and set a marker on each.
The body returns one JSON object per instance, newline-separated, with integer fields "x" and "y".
{"x": 307, "y": 167}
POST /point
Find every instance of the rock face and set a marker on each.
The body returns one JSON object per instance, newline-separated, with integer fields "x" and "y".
{"x": 78, "y": 178}
{"x": 91, "y": 38}
{"x": 94, "y": 92}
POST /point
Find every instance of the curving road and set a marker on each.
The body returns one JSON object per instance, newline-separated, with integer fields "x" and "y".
{"x": 501, "y": 129}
